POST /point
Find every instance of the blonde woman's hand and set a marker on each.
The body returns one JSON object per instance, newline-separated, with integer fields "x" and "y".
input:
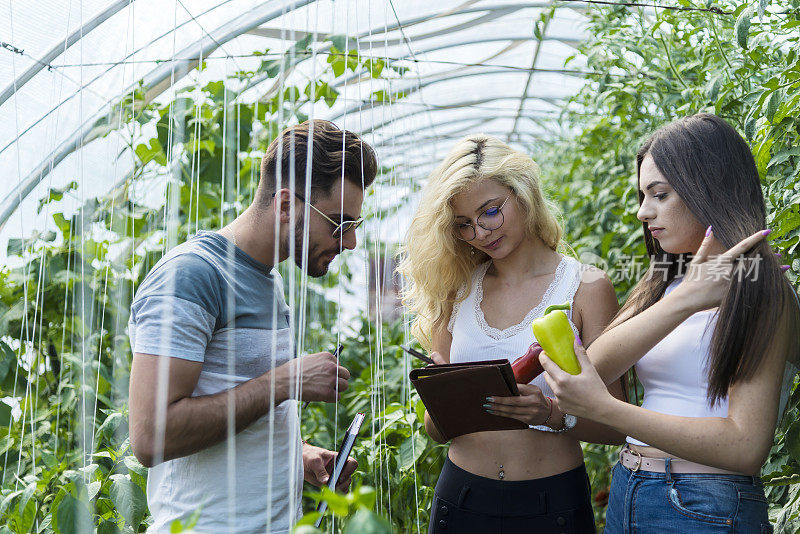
{"x": 708, "y": 276}
{"x": 531, "y": 407}
{"x": 581, "y": 395}
{"x": 437, "y": 358}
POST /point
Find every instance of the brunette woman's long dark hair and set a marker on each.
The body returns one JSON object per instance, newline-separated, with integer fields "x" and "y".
{"x": 712, "y": 170}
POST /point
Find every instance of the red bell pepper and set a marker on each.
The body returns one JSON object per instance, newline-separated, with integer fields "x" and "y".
{"x": 527, "y": 366}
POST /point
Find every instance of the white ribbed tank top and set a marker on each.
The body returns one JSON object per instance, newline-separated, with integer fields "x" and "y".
{"x": 475, "y": 340}
{"x": 674, "y": 373}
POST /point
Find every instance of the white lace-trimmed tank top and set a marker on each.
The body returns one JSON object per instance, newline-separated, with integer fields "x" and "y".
{"x": 674, "y": 373}
{"x": 475, "y": 340}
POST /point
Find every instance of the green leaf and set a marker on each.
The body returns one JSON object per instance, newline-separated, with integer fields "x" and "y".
{"x": 792, "y": 440}
{"x": 772, "y": 104}
{"x": 410, "y": 451}
{"x": 8, "y": 499}
{"x": 93, "y": 489}
{"x": 762, "y": 155}
{"x": 5, "y": 414}
{"x": 750, "y": 127}
{"x": 129, "y": 500}
{"x": 25, "y": 513}
{"x": 15, "y": 247}
{"x": 72, "y": 516}
{"x": 133, "y": 464}
{"x": 56, "y": 193}
{"x": 742, "y": 28}
{"x": 713, "y": 88}
{"x": 108, "y": 527}
{"x": 61, "y": 223}
{"x": 365, "y": 497}
{"x": 784, "y": 155}
{"x": 7, "y": 360}
{"x": 419, "y": 409}
{"x": 336, "y": 502}
{"x": 339, "y": 42}
{"x": 110, "y": 425}
{"x": 367, "y": 522}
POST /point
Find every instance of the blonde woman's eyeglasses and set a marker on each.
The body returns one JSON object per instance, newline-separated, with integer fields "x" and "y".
{"x": 490, "y": 219}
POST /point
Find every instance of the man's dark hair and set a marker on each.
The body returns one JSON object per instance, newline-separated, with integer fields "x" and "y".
{"x": 332, "y": 150}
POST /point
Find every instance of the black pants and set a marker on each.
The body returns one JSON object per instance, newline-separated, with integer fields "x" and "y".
{"x": 464, "y": 503}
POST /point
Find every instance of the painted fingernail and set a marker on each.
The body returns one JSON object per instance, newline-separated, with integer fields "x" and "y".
{"x": 708, "y": 231}
{"x": 489, "y": 399}
{"x": 487, "y": 405}
{"x": 767, "y": 231}
{"x": 785, "y": 268}
{"x": 489, "y": 411}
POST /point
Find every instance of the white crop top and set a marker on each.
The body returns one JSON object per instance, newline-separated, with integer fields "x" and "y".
{"x": 674, "y": 373}
{"x": 475, "y": 340}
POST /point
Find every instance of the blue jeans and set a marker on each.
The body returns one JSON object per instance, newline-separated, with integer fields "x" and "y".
{"x": 643, "y": 502}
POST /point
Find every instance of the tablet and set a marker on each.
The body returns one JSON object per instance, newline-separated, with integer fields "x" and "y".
{"x": 341, "y": 459}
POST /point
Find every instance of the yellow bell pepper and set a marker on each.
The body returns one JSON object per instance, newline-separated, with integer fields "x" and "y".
{"x": 555, "y": 335}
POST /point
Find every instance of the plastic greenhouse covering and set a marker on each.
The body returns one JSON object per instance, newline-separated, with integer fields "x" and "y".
{"x": 473, "y": 66}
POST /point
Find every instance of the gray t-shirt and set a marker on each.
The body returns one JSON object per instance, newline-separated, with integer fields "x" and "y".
{"x": 208, "y": 301}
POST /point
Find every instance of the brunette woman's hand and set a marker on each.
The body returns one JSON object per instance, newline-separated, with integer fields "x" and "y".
{"x": 531, "y": 407}
{"x": 708, "y": 276}
{"x": 582, "y": 395}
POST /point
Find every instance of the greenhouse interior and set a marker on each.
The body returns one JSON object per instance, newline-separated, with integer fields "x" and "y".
{"x": 242, "y": 246}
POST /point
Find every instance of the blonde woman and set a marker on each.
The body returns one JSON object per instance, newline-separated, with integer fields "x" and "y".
{"x": 482, "y": 260}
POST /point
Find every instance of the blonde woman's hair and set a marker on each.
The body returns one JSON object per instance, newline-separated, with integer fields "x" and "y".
{"x": 436, "y": 264}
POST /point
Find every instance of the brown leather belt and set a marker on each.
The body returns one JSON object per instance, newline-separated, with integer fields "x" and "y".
{"x": 636, "y": 462}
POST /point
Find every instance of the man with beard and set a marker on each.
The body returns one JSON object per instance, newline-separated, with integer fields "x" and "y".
{"x": 215, "y": 381}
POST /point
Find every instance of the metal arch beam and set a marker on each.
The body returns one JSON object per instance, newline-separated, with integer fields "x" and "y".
{"x": 445, "y": 122}
{"x": 452, "y": 138}
{"x": 410, "y": 167}
{"x": 354, "y": 42}
{"x": 156, "y": 81}
{"x": 505, "y": 8}
{"x": 59, "y": 49}
{"x": 530, "y": 76}
{"x": 385, "y": 123}
{"x": 472, "y": 123}
{"x": 467, "y": 42}
{"x": 494, "y": 12}
{"x": 98, "y": 76}
{"x": 366, "y": 104}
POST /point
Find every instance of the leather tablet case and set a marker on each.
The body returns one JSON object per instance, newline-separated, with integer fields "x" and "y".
{"x": 454, "y": 395}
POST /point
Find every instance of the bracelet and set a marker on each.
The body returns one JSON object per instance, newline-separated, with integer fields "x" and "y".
{"x": 550, "y": 414}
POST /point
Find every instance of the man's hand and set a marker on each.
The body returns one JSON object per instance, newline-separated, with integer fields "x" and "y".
{"x": 318, "y": 467}
{"x": 322, "y": 378}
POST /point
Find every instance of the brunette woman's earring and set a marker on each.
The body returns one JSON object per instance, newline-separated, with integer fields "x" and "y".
{"x": 472, "y": 251}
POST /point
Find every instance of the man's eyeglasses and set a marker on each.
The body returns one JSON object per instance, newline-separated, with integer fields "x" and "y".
{"x": 339, "y": 229}
{"x": 490, "y": 219}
